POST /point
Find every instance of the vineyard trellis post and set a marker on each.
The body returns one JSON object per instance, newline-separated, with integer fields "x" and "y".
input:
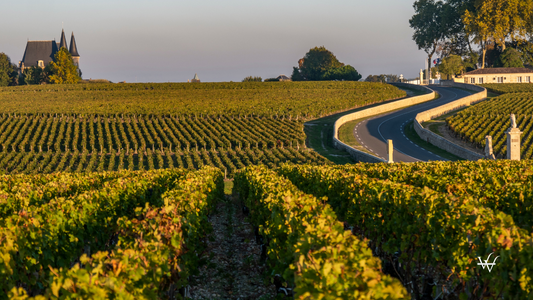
{"x": 488, "y": 148}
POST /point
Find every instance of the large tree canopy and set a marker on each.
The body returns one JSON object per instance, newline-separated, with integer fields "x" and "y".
{"x": 495, "y": 21}
{"x": 451, "y": 26}
{"x": 451, "y": 65}
{"x": 33, "y": 75}
{"x": 8, "y": 72}
{"x": 427, "y": 24}
{"x": 511, "y": 58}
{"x": 320, "y": 64}
{"x": 62, "y": 69}
{"x": 343, "y": 73}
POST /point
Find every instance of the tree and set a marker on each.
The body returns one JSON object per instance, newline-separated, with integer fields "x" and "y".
{"x": 427, "y": 23}
{"x": 478, "y": 25}
{"x": 375, "y": 78}
{"x": 382, "y": 78}
{"x": 495, "y": 21}
{"x": 434, "y": 71}
{"x": 33, "y": 75}
{"x": 8, "y": 71}
{"x": 252, "y": 78}
{"x": 320, "y": 64}
{"x": 526, "y": 51}
{"x": 451, "y": 65}
{"x": 343, "y": 73}
{"x": 62, "y": 70}
{"x": 492, "y": 56}
{"x": 296, "y": 75}
{"x": 315, "y": 64}
{"x": 511, "y": 58}
{"x": 470, "y": 61}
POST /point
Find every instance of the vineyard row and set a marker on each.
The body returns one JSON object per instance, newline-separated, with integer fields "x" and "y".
{"x": 142, "y": 230}
{"x": 75, "y": 161}
{"x": 48, "y": 132}
{"x": 307, "y": 245}
{"x": 480, "y": 120}
{"x": 430, "y": 240}
{"x": 501, "y": 185}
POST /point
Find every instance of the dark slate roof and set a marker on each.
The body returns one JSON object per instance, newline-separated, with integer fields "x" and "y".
{"x": 63, "y": 40}
{"x": 487, "y": 71}
{"x": 73, "y": 48}
{"x": 282, "y": 77}
{"x": 39, "y": 50}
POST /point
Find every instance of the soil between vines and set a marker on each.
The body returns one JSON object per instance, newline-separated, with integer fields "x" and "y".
{"x": 233, "y": 269}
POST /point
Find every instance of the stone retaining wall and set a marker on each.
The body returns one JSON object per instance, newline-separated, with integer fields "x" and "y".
{"x": 380, "y": 109}
{"x": 427, "y": 115}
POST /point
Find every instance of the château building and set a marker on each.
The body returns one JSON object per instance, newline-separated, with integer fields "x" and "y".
{"x": 195, "y": 79}
{"x": 41, "y": 53}
{"x": 499, "y": 75}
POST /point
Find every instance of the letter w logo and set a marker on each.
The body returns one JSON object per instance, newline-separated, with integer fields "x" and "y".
{"x": 486, "y": 263}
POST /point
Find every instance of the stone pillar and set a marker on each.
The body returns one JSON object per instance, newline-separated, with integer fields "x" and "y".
{"x": 421, "y": 77}
{"x": 390, "y": 151}
{"x": 513, "y": 140}
{"x": 488, "y": 148}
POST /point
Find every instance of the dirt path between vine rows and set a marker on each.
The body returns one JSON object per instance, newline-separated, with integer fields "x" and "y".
{"x": 233, "y": 269}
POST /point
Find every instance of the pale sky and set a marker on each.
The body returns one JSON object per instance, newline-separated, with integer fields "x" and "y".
{"x": 169, "y": 40}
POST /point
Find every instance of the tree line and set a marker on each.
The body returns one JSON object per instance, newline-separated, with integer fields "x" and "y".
{"x": 320, "y": 64}
{"x": 468, "y": 34}
{"x": 61, "y": 70}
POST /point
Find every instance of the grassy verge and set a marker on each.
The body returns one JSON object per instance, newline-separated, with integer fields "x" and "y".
{"x": 320, "y": 138}
{"x": 413, "y": 136}
{"x": 435, "y": 127}
{"x": 320, "y": 133}
{"x": 414, "y": 92}
{"x": 346, "y": 135}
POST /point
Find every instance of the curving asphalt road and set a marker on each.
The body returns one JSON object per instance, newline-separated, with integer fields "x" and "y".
{"x": 373, "y": 133}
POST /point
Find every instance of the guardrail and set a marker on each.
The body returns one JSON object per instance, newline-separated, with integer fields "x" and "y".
{"x": 427, "y": 115}
{"x": 363, "y": 156}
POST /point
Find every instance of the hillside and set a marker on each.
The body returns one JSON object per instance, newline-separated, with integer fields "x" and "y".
{"x": 269, "y": 99}
{"x": 97, "y": 127}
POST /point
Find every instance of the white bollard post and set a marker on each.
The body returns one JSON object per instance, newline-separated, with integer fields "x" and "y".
{"x": 390, "y": 151}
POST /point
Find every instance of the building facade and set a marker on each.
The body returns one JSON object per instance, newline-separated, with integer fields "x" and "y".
{"x": 41, "y": 53}
{"x": 195, "y": 79}
{"x": 499, "y": 75}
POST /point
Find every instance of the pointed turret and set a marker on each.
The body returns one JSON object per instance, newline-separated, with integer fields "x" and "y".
{"x": 73, "y": 48}
{"x": 195, "y": 79}
{"x": 63, "y": 42}
{"x": 74, "y": 51}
